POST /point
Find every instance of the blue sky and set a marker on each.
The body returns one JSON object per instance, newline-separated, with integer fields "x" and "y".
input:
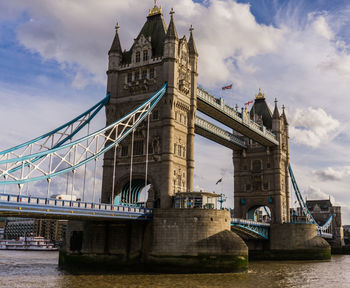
{"x": 53, "y": 58}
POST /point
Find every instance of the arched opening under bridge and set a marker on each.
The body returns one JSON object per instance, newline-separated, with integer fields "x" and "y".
{"x": 259, "y": 213}
{"x": 136, "y": 193}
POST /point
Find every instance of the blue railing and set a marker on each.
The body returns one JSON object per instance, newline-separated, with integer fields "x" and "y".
{"x": 321, "y": 229}
{"x": 258, "y": 228}
{"x": 50, "y": 206}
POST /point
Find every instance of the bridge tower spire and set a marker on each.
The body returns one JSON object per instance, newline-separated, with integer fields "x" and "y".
{"x": 156, "y": 56}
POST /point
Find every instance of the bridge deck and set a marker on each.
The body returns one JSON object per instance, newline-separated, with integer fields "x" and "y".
{"x": 37, "y": 207}
{"x": 218, "y": 135}
{"x": 213, "y": 107}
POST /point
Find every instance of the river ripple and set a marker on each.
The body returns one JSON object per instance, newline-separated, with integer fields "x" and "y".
{"x": 39, "y": 269}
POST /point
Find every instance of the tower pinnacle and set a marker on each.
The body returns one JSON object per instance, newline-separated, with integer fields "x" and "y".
{"x": 116, "y": 47}
{"x": 191, "y": 45}
{"x": 156, "y": 10}
{"x": 276, "y": 114}
{"x": 260, "y": 95}
{"x": 171, "y": 33}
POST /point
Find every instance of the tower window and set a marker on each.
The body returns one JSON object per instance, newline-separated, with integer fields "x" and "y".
{"x": 145, "y": 55}
{"x": 137, "y": 75}
{"x": 151, "y": 73}
{"x": 138, "y": 147}
{"x": 144, "y": 74}
{"x": 174, "y": 148}
{"x": 138, "y": 57}
{"x": 129, "y": 77}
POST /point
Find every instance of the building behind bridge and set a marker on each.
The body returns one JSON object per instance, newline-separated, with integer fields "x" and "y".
{"x": 321, "y": 210}
{"x": 53, "y": 230}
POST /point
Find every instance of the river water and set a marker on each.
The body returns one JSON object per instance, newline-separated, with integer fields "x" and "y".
{"x": 39, "y": 269}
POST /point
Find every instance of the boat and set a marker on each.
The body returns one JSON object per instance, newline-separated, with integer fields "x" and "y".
{"x": 37, "y": 243}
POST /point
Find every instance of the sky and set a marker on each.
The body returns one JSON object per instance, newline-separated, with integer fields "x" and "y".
{"x": 53, "y": 59}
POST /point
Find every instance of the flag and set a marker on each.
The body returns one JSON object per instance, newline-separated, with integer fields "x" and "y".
{"x": 227, "y": 87}
{"x": 217, "y": 182}
{"x": 248, "y": 103}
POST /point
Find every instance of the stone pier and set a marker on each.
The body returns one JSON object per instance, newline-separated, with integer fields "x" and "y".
{"x": 177, "y": 240}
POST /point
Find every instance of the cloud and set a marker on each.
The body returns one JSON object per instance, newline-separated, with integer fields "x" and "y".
{"x": 320, "y": 25}
{"x": 79, "y": 35}
{"x": 312, "y": 126}
{"x": 331, "y": 174}
{"x": 315, "y": 193}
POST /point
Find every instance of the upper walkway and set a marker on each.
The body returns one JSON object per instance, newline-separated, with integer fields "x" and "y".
{"x": 216, "y": 109}
{"x": 218, "y": 135}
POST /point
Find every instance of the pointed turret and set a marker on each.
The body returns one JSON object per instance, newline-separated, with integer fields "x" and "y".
{"x": 171, "y": 33}
{"x": 116, "y": 47}
{"x": 191, "y": 45}
{"x": 276, "y": 114}
{"x": 261, "y": 109}
{"x": 284, "y": 117}
{"x": 276, "y": 120}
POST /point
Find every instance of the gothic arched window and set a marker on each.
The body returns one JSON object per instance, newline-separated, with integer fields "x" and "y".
{"x": 138, "y": 57}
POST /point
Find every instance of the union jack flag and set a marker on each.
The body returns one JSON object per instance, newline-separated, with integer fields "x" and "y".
{"x": 248, "y": 103}
{"x": 227, "y": 87}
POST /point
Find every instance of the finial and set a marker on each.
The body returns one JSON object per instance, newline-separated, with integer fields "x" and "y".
{"x": 260, "y": 95}
{"x": 172, "y": 12}
{"x": 191, "y": 28}
{"x": 117, "y": 27}
{"x": 156, "y": 10}
{"x": 236, "y": 107}
{"x": 283, "y": 107}
{"x": 276, "y": 101}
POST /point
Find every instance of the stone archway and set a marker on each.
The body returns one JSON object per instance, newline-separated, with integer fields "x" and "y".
{"x": 259, "y": 213}
{"x": 123, "y": 195}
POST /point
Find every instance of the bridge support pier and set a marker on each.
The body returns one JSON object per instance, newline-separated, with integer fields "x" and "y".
{"x": 292, "y": 242}
{"x": 106, "y": 246}
{"x": 177, "y": 240}
{"x": 196, "y": 241}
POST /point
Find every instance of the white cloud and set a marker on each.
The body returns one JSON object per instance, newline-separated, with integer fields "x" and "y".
{"x": 77, "y": 34}
{"x": 320, "y": 25}
{"x": 331, "y": 174}
{"x": 312, "y": 126}
{"x": 315, "y": 193}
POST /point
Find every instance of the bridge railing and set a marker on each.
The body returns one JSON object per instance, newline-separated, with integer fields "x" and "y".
{"x": 249, "y": 222}
{"x": 50, "y": 202}
{"x": 219, "y": 105}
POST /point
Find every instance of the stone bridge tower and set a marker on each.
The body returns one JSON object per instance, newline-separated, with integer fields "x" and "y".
{"x": 261, "y": 173}
{"x": 156, "y": 56}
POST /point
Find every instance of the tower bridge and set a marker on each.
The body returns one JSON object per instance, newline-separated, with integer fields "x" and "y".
{"x": 151, "y": 104}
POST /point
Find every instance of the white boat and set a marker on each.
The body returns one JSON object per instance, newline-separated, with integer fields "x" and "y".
{"x": 28, "y": 243}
